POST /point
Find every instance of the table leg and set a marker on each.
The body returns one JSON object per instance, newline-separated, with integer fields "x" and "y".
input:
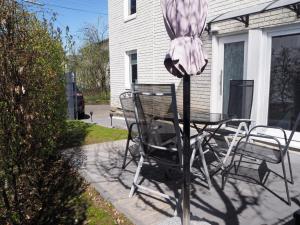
{"x": 200, "y": 131}
{"x": 206, "y": 143}
{"x": 212, "y": 135}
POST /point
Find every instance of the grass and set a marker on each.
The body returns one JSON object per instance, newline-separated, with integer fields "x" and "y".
{"x": 96, "y": 99}
{"x": 78, "y": 133}
{"x": 97, "y": 134}
{"x": 100, "y": 211}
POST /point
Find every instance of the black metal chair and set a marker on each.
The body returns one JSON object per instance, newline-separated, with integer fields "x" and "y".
{"x": 257, "y": 146}
{"x": 158, "y": 125}
{"x": 239, "y": 106}
{"x": 126, "y": 100}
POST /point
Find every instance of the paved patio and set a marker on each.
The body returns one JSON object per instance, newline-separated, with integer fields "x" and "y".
{"x": 240, "y": 203}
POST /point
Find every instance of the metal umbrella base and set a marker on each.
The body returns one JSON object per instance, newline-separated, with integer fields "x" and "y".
{"x": 177, "y": 221}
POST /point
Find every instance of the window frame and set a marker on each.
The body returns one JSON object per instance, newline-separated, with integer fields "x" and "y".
{"x": 128, "y": 72}
{"x": 131, "y": 64}
{"x": 263, "y": 106}
{"x": 218, "y": 67}
{"x": 127, "y": 8}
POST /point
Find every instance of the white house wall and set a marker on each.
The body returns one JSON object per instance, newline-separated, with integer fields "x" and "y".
{"x": 146, "y": 33}
{"x": 136, "y": 34}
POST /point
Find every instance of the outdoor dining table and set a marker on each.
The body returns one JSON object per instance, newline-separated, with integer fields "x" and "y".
{"x": 201, "y": 121}
{"x": 212, "y": 120}
{"x": 204, "y": 119}
{"x": 207, "y": 119}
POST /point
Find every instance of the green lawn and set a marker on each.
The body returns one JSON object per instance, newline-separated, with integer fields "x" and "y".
{"x": 78, "y": 133}
{"x": 100, "y": 211}
{"x": 97, "y": 134}
{"x": 96, "y": 99}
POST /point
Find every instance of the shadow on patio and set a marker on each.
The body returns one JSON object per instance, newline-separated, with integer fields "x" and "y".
{"x": 239, "y": 203}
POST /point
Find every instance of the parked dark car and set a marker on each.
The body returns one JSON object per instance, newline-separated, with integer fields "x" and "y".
{"x": 80, "y": 104}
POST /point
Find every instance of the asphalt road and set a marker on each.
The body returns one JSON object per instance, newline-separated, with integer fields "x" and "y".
{"x": 101, "y": 116}
{"x": 99, "y": 111}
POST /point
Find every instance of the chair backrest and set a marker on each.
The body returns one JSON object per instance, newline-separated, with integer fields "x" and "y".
{"x": 126, "y": 100}
{"x": 157, "y": 117}
{"x": 240, "y": 99}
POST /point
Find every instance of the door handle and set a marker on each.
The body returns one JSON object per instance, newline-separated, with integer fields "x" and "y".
{"x": 221, "y": 82}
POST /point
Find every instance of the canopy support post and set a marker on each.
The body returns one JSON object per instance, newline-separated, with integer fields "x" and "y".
{"x": 186, "y": 149}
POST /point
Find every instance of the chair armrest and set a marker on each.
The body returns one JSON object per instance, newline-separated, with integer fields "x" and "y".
{"x": 263, "y": 137}
{"x": 131, "y": 125}
{"x": 242, "y": 120}
{"x": 271, "y": 127}
{"x": 248, "y": 122}
{"x": 130, "y": 129}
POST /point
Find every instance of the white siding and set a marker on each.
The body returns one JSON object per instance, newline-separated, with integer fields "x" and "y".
{"x": 146, "y": 33}
{"x": 136, "y": 34}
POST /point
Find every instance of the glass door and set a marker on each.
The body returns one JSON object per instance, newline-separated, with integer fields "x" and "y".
{"x": 233, "y": 65}
{"x": 284, "y": 95}
{"x": 279, "y": 82}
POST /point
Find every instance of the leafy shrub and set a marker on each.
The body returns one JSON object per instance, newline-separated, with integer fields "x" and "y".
{"x": 36, "y": 185}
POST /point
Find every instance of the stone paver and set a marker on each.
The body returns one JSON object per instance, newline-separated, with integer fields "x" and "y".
{"x": 239, "y": 203}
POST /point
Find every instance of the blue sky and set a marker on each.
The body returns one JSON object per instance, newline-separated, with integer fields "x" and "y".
{"x": 75, "y": 13}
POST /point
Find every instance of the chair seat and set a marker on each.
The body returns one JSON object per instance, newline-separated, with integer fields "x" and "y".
{"x": 259, "y": 152}
{"x": 164, "y": 157}
{"x": 167, "y": 137}
{"x": 169, "y": 156}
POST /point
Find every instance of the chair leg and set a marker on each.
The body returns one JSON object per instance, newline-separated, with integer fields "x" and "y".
{"x": 126, "y": 152}
{"x": 227, "y": 141}
{"x": 290, "y": 167}
{"x": 286, "y": 183}
{"x": 201, "y": 153}
{"x": 238, "y": 166}
{"x": 234, "y": 141}
{"x": 226, "y": 171}
{"x": 224, "y": 179}
{"x": 192, "y": 158}
{"x": 136, "y": 176}
{"x": 178, "y": 205}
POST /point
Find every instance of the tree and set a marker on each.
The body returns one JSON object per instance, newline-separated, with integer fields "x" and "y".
{"x": 37, "y": 185}
{"x": 285, "y": 67}
{"x": 91, "y": 64}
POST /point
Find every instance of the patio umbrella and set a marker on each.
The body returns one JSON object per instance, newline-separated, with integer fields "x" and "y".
{"x": 185, "y": 21}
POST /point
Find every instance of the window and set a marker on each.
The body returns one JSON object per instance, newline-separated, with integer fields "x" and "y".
{"x": 133, "y": 67}
{"x": 131, "y": 7}
{"x": 233, "y": 67}
{"x": 284, "y": 98}
{"x": 230, "y": 63}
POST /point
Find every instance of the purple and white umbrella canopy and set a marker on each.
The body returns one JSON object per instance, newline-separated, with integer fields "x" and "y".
{"x": 185, "y": 21}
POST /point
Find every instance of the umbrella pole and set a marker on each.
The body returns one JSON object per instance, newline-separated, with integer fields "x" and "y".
{"x": 186, "y": 149}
